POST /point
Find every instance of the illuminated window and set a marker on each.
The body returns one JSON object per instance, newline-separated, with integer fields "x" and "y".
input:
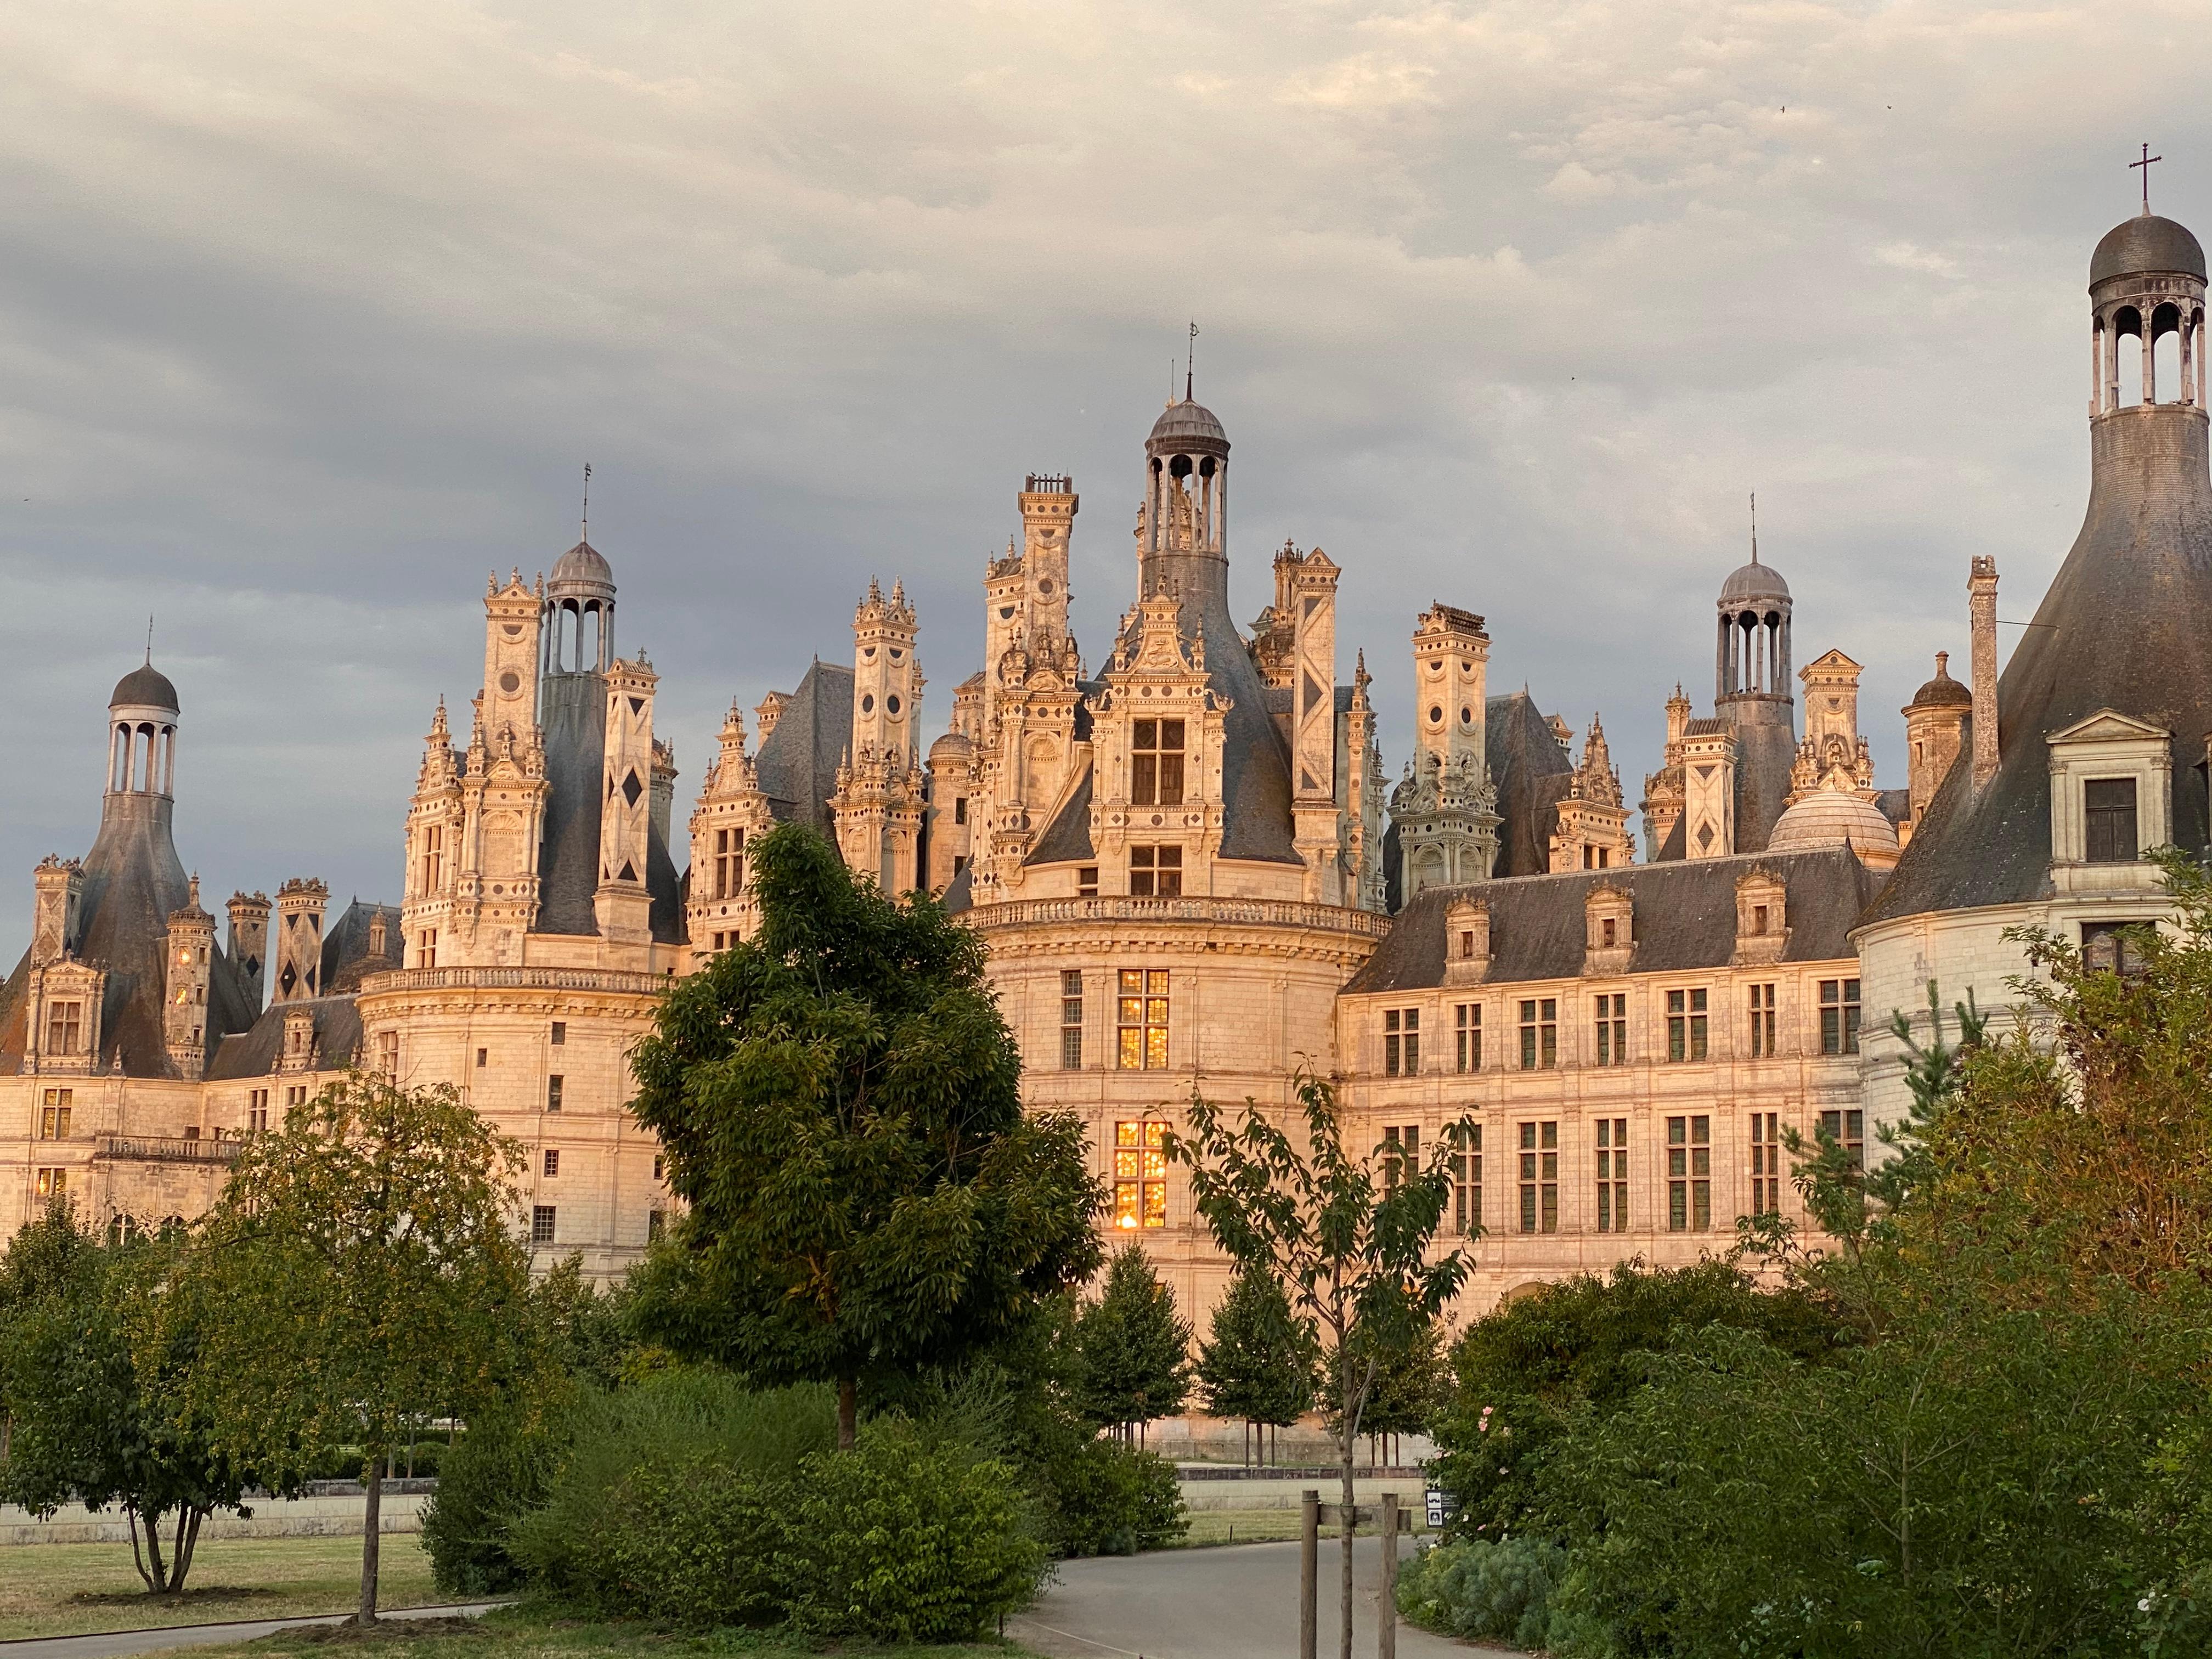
{"x": 541, "y": 1224}
{"x": 1156, "y": 872}
{"x": 1765, "y": 1163}
{"x": 1401, "y": 1042}
{"x": 1466, "y": 1034}
{"x": 1762, "y": 1021}
{"x": 1612, "y": 1175}
{"x": 1540, "y": 1034}
{"x": 53, "y": 1183}
{"x": 1141, "y": 1020}
{"x": 1686, "y": 1024}
{"x": 1140, "y": 1175}
{"x": 64, "y": 1028}
{"x": 1540, "y": 1177}
{"x": 1156, "y": 763}
{"x": 1071, "y": 1021}
{"x": 1612, "y": 1029}
{"x": 54, "y": 1113}
{"x": 1839, "y": 1016}
{"x": 1689, "y": 1173}
{"x": 1467, "y": 1179}
{"x": 1848, "y": 1129}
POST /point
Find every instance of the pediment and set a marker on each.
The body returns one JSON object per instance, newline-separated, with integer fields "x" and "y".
{"x": 2107, "y": 725}
{"x": 1834, "y": 659}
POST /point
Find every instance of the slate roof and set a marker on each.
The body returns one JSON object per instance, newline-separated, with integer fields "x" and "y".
{"x": 1067, "y": 837}
{"x": 1532, "y": 774}
{"x": 2146, "y": 243}
{"x": 144, "y": 687}
{"x": 2123, "y": 626}
{"x": 256, "y": 1051}
{"x": 573, "y": 715}
{"x": 1684, "y": 919}
{"x": 346, "y": 955}
{"x": 798, "y": 765}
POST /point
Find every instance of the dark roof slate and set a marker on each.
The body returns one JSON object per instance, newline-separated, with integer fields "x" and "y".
{"x": 1684, "y": 919}
{"x": 1532, "y": 774}
{"x": 798, "y": 765}
{"x": 1067, "y": 837}
{"x": 256, "y": 1051}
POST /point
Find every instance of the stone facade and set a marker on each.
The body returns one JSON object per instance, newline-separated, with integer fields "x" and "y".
{"x": 1181, "y": 859}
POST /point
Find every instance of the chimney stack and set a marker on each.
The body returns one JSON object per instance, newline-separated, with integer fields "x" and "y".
{"x": 1981, "y": 625}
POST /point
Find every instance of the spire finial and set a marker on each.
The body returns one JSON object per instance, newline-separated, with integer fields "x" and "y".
{"x": 2148, "y": 158}
{"x": 1190, "y": 361}
{"x": 584, "y": 533}
{"x": 1754, "y": 526}
{"x": 149, "y": 638}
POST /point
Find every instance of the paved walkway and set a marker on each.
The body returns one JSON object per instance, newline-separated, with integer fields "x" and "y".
{"x": 113, "y": 1644}
{"x": 1239, "y": 1601}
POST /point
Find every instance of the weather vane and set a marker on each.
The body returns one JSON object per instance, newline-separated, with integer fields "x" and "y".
{"x": 1189, "y": 362}
{"x": 587, "y": 534}
{"x": 2148, "y": 158}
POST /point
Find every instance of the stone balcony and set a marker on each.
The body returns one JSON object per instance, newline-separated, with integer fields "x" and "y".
{"x": 1217, "y": 912}
{"x": 606, "y": 980}
{"x": 166, "y": 1149}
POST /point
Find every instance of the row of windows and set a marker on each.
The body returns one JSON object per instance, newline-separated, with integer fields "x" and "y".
{"x": 1142, "y": 1006}
{"x": 546, "y": 1218}
{"x": 1689, "y": 1029}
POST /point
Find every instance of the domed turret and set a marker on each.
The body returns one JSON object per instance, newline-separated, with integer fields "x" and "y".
{"x": 579, "y": 613}
{"x": 144, "y": 687}
{"x": 1829, "y": 816}
{"x": 1942, "y": 691}
{"x": 1754, "y": 581}
{"x": 2144, "y": 244}
{"x": 1186, "y": 425}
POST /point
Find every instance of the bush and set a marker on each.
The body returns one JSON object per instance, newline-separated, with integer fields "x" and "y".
{"x": 498, "y": 1470}
{"x": 1106, "y": 1498}
{"x": 904, "y": 1539}
{"x": 1480, "y": 1591}
{"x": 656, "y": 1483}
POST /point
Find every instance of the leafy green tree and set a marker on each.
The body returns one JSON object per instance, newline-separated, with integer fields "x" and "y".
{"x": 840, "y": 1104}
{"x": 1412, "y": 1383}
{"x": 1352, "y": 1248}
{"x": 361, "y": 1270}
{"x": 1258, "y": 1365}
{"x": 89, "y": 1420}
{"x": 1133, "y": 1346}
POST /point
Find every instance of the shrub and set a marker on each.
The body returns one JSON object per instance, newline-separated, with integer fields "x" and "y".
{"x": 495, "y": 1473}
{"x": 902, "y": 1539}
{"x": 1106, "y": 1498}
{"x": 1481, "y": 1590}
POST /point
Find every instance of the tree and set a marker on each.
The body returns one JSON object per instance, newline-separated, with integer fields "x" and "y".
{"x": 1134, "y": 1348}
{"x": 1259, "y": 1364}
{"x": 840, "y": 1104}
{"x": 88, "y": 1420}
{"x": 1353, "y": 1250}
{"x": 361, "y": 1270}
{"x": 1411, "y": 1384}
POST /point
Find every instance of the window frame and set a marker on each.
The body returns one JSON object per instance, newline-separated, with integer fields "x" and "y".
{"x": 1155, "y": 870}
{"x": 1689, "y": 1027}
{"x": 1466, "y": 1033}
{"x": 1143, "y": 1043}
{"x": 1840, "y": 1013}
{"x": 2107, "y": 826}
{"x": 1612, "y": 1023}
{"x": 1540, "y": 1034}
{"x": 1138, "y": 1158}
{"x": 1689, "y": 1173}
{"x": 1071, "y": 1019}
{"x": 1612, "y": 1177}
{"x": 1156, "y": 768}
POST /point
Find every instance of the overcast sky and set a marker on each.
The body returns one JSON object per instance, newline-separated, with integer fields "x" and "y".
{"x": 309, "y": 316}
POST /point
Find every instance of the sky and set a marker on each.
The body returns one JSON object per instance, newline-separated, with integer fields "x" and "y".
{"x": 311, "y": 315}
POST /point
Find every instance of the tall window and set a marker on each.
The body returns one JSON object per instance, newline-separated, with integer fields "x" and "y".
{"x": 553, "y": 1094}
{"x": 295, "y": 1094}
{"x": 1612, "y": 1175}
{"x": 1540, "y": 1034}
{"x": 1156, "y": 763}
{"x": 729, "y": 863}
{"x": 1848, "y": 1129}
{"x": 559, "y": 1036}
{"x": 426, "y": 948}
{"x": 2108, "y": 809}
{"x": 1762, "y": 1021}
{"x": 1071, "y": 1020}
{"x": 387, "y": 1055}
{"x": 1466, "y": 1034}
{"x": 257, "y": 1111}
{"x": 1142, "y": 1016}
{"x": 656, "y": 1223}
{"x": 1156, "y": 872}
{"x": 1401, "y": 1155}
{"x": 552, "y": 1160}
{"x": 1612, "y": 1029}
{"x": 1140, "y": 1175}
{"x": 1689, "y": 1173}
{"x": 54, "y": 1112}
{"x": 960, "y": 809}
{"x": 1765, "y": 1163}
{"x": 1540, "y": 1177}
{"x": 1839, "y": 1016}
{"x": 541, "y": 1224}
{"x": 1686, "y": 1015}
{"x": 433, "y": 857}
{"x": 1401, "y": 1042}
{"x": 1467, "y": 1180}
{"x": 64, "y": 1027}
{"x": 53, "y": 1183}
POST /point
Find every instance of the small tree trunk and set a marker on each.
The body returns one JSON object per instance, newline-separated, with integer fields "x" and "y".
{"x": 371, "y": 1537}
{"x": 188, "y": 1546}
{"x": 137, "y": 1555}
{"x": 848, "y": 1414}
{"x": 1345, "y": 1450}
{"x": 159, "y": 1579}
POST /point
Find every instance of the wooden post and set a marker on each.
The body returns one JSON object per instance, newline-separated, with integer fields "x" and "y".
{"x": 1309, "y": 1573}
{"x": 1386, "y": 1617}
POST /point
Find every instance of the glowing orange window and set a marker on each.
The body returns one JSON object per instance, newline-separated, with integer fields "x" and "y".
{"x": 1140, "y": 1175}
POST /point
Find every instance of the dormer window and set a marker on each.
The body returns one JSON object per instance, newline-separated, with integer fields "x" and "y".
{"x": 1156, "y": 763}
{"x": 2108, "y": 811}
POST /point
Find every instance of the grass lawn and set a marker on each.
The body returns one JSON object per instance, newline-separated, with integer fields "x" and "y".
{"x": 1251, "y": 1527}
{"x": 66, "y": 1589}
{"x": 528, "y": 1634}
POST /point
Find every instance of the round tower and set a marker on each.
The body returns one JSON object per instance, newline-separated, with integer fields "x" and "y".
{"x": 2146, "y": 284}
{"x": 579, "y": 613}
{"x": 1751, "y": 692}
{"x": 141, "y": 734}
{"x": 1184, "y": 538}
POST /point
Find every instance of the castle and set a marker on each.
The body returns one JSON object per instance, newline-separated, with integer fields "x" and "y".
{"x": 1192, "y": 871}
